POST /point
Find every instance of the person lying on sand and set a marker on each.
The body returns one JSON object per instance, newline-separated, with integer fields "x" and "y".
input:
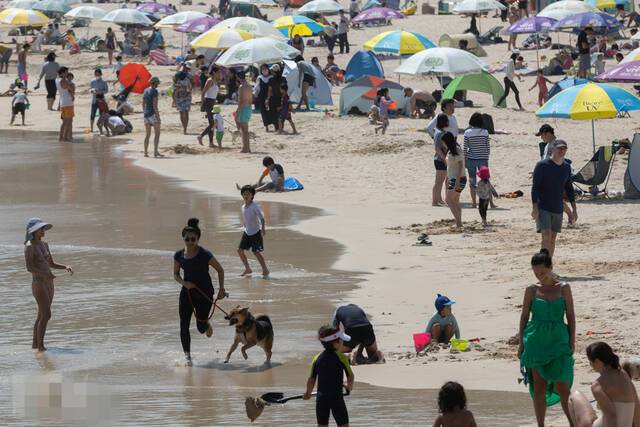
{"x": 356, "y": 324}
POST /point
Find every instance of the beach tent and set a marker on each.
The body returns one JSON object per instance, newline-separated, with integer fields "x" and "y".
{"x": 363, "y": 63}
{"x": 320, "y": 95}
{"x": 480, "y": 82}
{"x": 563, "y": 84}
{"x": 453, "y": 40}
{"x": 371, "y": 4}
{"x": 357, "y": 97}
{"x": 632, "y": 175}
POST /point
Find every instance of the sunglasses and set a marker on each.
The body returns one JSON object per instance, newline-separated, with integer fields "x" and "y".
{"x": 190, "y": 239}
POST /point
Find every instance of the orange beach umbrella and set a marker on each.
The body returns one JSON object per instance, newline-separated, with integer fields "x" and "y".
{"x": 136, "y": 75}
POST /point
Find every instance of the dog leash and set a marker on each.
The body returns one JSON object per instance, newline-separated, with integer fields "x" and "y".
{"x": 214, "y": 304}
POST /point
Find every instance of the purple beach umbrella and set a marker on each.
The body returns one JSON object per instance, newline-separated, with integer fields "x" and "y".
{"x": 624, "y": 73}
{"x": 156, "y": 8}
{"x": 378, "y": 13}
{"x": 532, "y": 24}
{"x": 601, "y": 22}
{"x": 198, "y": 25}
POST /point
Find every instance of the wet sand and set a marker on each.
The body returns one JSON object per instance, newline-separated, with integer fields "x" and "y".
{"x": 115, "y": 323}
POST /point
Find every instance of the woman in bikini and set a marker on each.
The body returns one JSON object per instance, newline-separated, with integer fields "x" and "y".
{"x": 196, "y": 295}
{"x": 39, "y": 263}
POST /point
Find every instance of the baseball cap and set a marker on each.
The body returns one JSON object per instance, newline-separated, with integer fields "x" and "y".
{"x": 544, "y": 129}
{"x": 559, "y": 143}
{"x": 340, "y": 334}
{"x": 443, "y": 301}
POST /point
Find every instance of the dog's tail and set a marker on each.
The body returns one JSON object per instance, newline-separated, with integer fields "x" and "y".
{"x": 264, "y": 318}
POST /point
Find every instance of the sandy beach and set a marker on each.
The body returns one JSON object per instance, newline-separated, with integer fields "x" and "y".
{"x": 376, "y": 191}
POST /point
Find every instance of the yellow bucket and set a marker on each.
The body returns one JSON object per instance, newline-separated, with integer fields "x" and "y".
{"x": 459, "y": 344}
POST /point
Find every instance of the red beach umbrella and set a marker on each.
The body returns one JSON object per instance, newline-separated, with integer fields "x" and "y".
{"x": 136, "y": 75}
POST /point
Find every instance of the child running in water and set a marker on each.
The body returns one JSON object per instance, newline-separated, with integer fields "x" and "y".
{"x": 485, "y": 190}
{"x": 384, "y": 101}
{"x": 328, "y": 368}
{"x": 541, "y": 82}
{"x": 452, "y": 402}
{"x": 19, "y": 104}
{"x": 284, "y": 113}
{"x": 254, "y": 230}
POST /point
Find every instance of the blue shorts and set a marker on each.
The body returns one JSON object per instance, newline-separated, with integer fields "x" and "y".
{"x": 472, "y": 166}
{"x": 245, "y": 114}
{"x": 549, "y": 221}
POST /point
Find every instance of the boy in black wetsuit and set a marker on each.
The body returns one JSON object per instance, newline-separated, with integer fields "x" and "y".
{"x": 329, "y": 368}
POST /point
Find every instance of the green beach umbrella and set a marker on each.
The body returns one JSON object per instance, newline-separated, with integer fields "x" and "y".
{"x": 480, "y": 82}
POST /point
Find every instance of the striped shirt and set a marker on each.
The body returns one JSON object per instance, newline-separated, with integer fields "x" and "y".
{"x": 476, "y": 144}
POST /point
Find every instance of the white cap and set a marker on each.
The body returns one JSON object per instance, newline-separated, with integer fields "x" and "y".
{"x": 340, "y": 334}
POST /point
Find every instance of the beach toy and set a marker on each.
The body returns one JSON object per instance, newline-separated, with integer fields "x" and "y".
{"x": 421, "y": 340}
{"x": 393, "y": 105}
{"x": 170, "y": 91}
{"x": 459, "y": 344}
{"x": 312, "y": 103}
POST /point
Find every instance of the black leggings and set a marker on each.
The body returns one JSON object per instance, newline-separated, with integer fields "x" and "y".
{"x": 483, "y": 205}
{"x": 185, "y": 309}
{"x": 510, "y": 85}
{"x": 207, "y": 107}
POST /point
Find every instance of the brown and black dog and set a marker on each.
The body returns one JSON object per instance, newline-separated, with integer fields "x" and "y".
{"x": 250, "y": 331}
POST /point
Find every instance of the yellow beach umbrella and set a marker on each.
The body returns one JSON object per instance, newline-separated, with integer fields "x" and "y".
{"x": 398, "y": 42}
{"x": 297, "y": 24}
{"x": 221, "y": 38}
{"x": 23, "y": 18}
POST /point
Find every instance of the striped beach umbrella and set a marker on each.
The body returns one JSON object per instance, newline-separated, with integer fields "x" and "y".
{"x": 398, "y": 42}
{"x": 221, "y": 38}
{"x": 589, "y": 101}
{"x": 297, "y": 25}
{"x": 21, "y": 4}
{"x": 23, "y": 18}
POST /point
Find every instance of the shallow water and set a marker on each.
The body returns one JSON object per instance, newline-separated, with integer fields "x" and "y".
{"x": 114, "y": 351}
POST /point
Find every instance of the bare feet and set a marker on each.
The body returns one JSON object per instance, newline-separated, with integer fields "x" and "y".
{"x": 265, "y": 273}
{"x": 246, "y": 272}
{"x": 158, "y": 155}
{"x": 209, "y": 330}
{"x": 146, "y": 154}
{"x": 199, "y": 138}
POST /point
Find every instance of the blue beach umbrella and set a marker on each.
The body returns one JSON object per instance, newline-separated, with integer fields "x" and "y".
{"x": 399, "y": 42}
{"x": 589, "y": 101}
{"x": 600, "y": 21}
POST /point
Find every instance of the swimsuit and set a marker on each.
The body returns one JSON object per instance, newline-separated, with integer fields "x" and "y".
{"x": 245, "y": 114}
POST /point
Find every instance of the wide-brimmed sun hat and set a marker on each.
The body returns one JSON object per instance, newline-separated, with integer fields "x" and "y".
{"x": 33, "y": 225}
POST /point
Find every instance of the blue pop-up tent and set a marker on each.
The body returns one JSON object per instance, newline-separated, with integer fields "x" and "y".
{"x": 363, "y": 63}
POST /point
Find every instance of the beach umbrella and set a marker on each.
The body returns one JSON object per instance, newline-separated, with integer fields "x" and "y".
{"x": 264, "y": 3}
{"x": 156, "y": 8}
{"x": 598, "y": 20}
{"x": 198, "y": 26}
{"x": 589, "y": 101}
{"x": 607, "y": 4}
{"x": 264, "y": 50}
{"x": 127, "y": 17}
{"x": 86, "y": 12}
{"x": 289, "y": 26}
{"x": 532, "y": 25}
{"x": 179, "y": 18}
{"x": 398, "y": 42}
{"x": 220, "y": 39}
{"x": 634, "y": 55}
{"x": 254, "y": 26}
{"x": 52, "y": 6}
{"x": 441, "y": 61}
{"x": 23, "y": 18}
{"x": 325, "y": 7}
{"x": 477, "y": 6}
{"x": 21, "y": 4}
{"x": 565, "y": 8}
{"x": 628, "y": 72}
{"x": 378, "y": 14}
{"x": 136, "y": 75}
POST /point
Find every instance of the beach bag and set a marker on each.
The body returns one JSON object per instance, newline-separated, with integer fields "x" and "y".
{"x": 487, "y": 123}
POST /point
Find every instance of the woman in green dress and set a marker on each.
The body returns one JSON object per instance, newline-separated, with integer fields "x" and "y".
{"x": 546, "y": 342}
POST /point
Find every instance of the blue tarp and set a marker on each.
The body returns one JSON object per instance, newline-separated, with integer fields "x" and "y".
{"x": 563, "y": 84}
{"x": 363, "y": 63}
{"x": 292, "y": 184}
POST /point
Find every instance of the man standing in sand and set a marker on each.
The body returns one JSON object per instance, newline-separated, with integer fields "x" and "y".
{"x": 151, "y": 116}
{"x": 65, "y": 88}
{"x": 448, "y": 107}
{"x": 551, "y": 181}
{"x": 243, "y": 113}
{"x": 343, "y": 29}
{"x": 584, "y": 50}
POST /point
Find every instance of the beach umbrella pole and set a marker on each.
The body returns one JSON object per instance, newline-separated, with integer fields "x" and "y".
{"x": 537, "y": 51}
{"x": 593, "y": 134}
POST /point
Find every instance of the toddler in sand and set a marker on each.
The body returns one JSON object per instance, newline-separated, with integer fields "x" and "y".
{"x": 19, "y": 104}
{"x": 541, "y": 82}
{"x": 452, "y": 402}
{"x": 484, "y": 191}
{"x": 443, "y": 324}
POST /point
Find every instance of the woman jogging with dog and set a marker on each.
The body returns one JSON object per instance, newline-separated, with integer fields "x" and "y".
{"x": 196, "y": 295}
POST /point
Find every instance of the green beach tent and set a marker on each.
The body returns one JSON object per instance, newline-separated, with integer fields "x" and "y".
{"x": 480, "y": 82}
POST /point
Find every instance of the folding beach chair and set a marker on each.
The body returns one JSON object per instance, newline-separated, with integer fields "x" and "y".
{"x": 491, "y": 36}
{"x": 596, "y": 171}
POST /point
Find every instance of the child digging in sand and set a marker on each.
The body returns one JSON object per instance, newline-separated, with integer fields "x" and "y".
{"x": 484, "y": 191}
{"x": 443, "y": 324}
{"x": 254, "y": 230}
{"x": 452, "y": 402}
{"x": 328, "y": 368}
{"x": 19, "y": 105}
